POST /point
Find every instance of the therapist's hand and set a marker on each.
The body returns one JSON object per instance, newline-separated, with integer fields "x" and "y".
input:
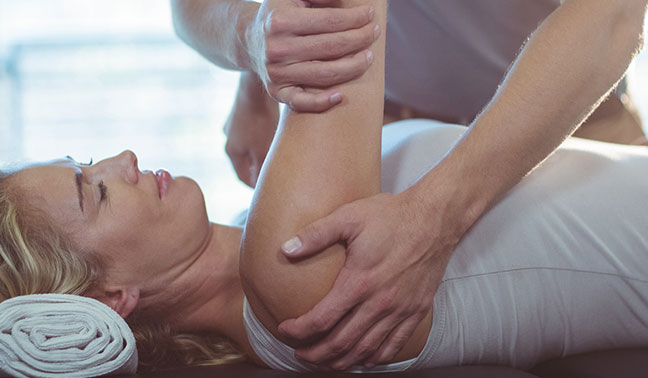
{"x": 396, "y": 258}
{"x": 301, "y": 52}
{"x": 250, "y": 128}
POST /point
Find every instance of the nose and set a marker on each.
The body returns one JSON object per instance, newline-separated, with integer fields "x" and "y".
{"x": 128, "y": 160}
{"x": 123, "y": 165}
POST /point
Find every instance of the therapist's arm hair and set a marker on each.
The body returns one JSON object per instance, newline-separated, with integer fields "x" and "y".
{"x": 317, "y": 163}
{"x": 565, "y": 70}
{"x": 214, "y": 29}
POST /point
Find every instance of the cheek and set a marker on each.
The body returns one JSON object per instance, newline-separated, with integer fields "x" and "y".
{"x": 124, "y": 227}
{"x": 118, "y": 239}
{"x": 138, "y": 228}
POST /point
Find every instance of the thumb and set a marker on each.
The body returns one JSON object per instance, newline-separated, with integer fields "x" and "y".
{"x": 316, "y": 237}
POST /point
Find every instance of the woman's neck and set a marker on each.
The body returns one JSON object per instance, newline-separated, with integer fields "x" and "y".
{"x": 212, "y": 296}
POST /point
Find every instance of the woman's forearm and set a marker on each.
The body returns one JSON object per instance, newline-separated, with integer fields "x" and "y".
{"x": 216, "y": 29}
{"x": 567, "y": 67}
{"x": 317, "y": 162}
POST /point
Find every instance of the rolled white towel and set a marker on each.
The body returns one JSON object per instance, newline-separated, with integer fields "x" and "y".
{"x": 61, "y": 335}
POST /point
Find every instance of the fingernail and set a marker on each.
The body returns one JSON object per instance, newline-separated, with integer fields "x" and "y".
{"x": 370, "y": 365}
{"x": 376, "y": 31}
{"x": 292, "y": 246}
{"x": 335, "y": 98}
{"x": 372, "y": 12}
{"x": 369, "y": 56}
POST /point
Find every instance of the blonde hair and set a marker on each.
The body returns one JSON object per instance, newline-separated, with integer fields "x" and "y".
{"x": 37, "y": 257}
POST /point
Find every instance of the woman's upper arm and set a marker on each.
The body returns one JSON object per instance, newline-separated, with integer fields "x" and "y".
{"x": 317, "y": 163}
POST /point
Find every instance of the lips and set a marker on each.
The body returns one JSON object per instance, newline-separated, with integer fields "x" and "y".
{"x": 163, "y": 178}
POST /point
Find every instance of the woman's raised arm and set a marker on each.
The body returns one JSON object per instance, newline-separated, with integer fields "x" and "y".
{"x": 317, "y": 162}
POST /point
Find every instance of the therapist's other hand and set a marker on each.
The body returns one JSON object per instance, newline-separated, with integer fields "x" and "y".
{"x": 250, "y": 128}
{"x": 301, "y": 52}
{"x": 396, "y": 258}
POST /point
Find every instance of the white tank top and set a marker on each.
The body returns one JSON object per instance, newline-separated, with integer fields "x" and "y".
{"x": 558, "y": 267}
{"x": 280, "y": 356}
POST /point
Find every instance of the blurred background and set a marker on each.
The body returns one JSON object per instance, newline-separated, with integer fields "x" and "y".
{"x": 90, "y": 78}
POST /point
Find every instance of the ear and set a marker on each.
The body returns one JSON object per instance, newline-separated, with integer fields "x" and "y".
{"x": 122, "y": 300}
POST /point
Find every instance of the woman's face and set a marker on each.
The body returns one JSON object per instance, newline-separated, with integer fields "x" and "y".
{"x": 142, "y": 224}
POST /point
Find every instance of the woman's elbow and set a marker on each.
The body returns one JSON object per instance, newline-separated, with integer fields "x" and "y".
{"x": 285, "y": 288}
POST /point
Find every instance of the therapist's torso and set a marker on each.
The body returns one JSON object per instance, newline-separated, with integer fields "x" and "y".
{"x": 445, "y": 58}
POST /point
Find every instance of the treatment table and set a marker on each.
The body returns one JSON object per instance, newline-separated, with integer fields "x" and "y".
{"x": 628, "y": 363}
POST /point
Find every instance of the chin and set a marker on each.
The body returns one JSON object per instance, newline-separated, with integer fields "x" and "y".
{"x": 189, "y": 196}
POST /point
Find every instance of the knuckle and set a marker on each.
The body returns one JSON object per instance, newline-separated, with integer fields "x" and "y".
{"x": 365, "y": 348}
{"x": 383, "y": 359}
{"x": 335, "y": 46}
{"x": 327, "y": 76}
{"x": 363, "y": 286}
{"x": 399, "y": 340}
{"x": 349, "y": 210}
{"x": 276, "y": 74}
{"x": 276, "y": 23}
{"x": 390, "y": 298}
{"x": 339, "y": 347}
{"x": 403, "y": 312}
{"x": 410, "y": 309}
{"x": 319, "y": 324}
{"x": 315, "y": 234}
{"x": 274, "y": 51}
{"x": 333, "y": 20}
{"x": 385, "y": 303}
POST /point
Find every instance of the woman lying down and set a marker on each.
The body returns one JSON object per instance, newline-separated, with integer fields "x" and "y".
{"x": 558, "y": 267}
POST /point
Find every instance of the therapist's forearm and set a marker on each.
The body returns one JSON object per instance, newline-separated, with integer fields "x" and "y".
{"x": 567, "y": 67}
{"x": 216, "y": 29}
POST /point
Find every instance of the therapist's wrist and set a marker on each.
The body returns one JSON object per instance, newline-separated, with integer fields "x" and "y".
{"x": 449, "y": 202}
{"x": 252, "y": 89}
{"x": 253, "y": 98}
{"x": 244, "y": 13}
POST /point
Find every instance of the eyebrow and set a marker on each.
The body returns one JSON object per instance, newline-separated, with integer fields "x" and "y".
{"x": 79, "y": 189}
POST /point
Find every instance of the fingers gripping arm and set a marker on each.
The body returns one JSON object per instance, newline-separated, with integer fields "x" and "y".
{"x": 316, "y": 164}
